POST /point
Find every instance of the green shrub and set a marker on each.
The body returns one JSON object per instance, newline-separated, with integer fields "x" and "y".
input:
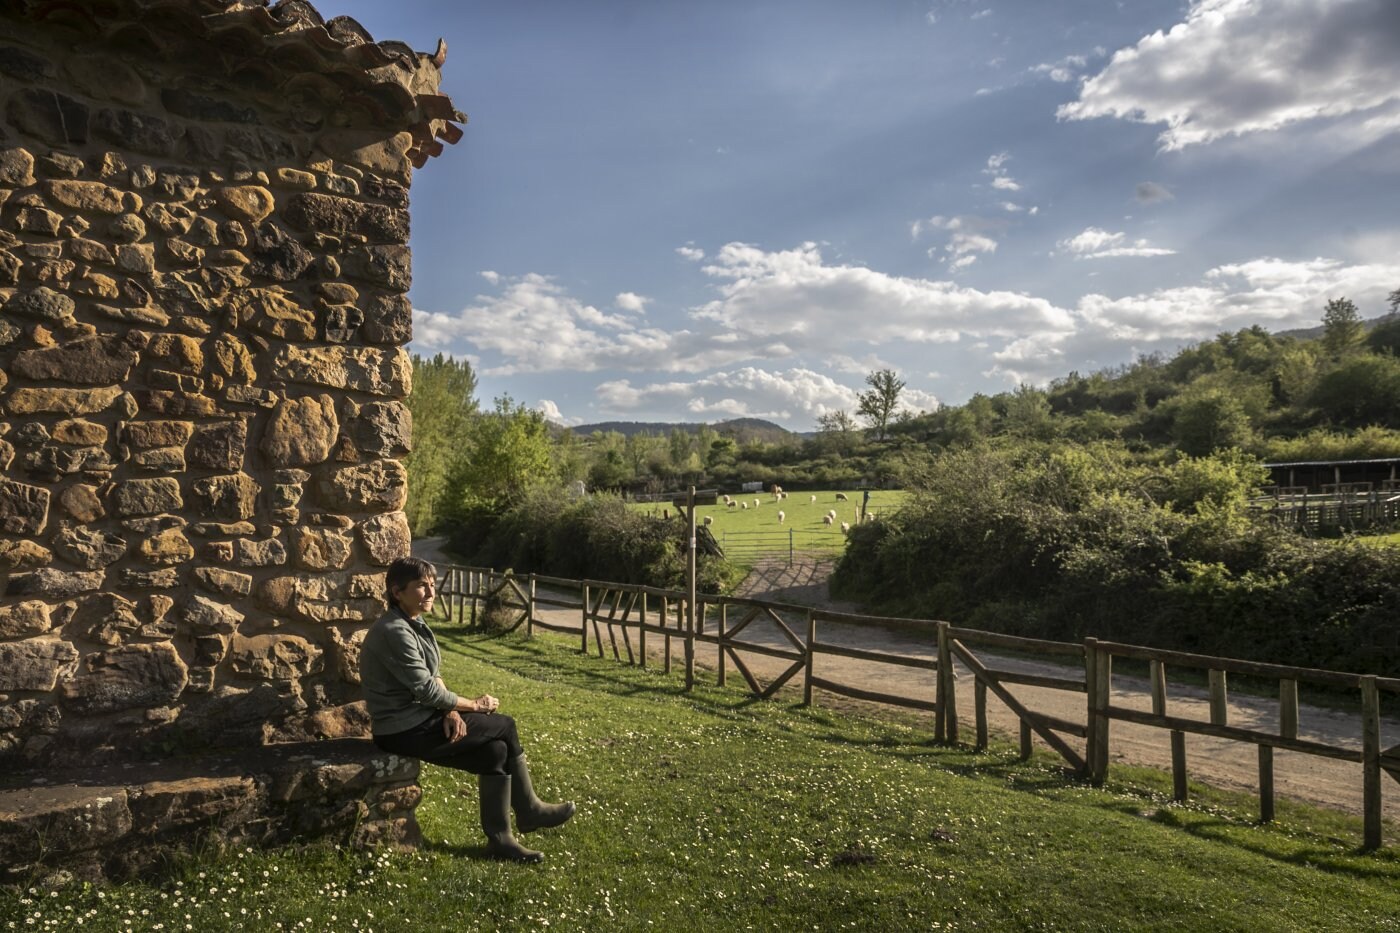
{"x": 1065, "y": 542}
{"x": 593, "y": 537}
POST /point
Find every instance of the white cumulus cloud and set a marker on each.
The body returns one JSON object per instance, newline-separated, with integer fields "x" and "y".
{"x": 1234, "y": 67}
{"x": 1094, "y": 243}
{"x": 747, "y": 392}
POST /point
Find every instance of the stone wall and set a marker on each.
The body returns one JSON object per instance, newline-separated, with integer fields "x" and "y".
{"x": 203, "y": 267}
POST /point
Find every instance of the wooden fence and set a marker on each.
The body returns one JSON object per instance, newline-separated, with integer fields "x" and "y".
{"x": 628, "y": 614}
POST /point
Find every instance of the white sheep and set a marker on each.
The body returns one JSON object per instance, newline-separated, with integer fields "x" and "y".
{"x": 781, "y": 516}
{"x": 827, "y": 519}
{"x": 870, "y": 516}
{"x": 831, "y": 514}
{"x": 757, "y": 503}
{"x": 841, "y": 497}
{"x": 813, "y": 501}
{"x": 732, "y": 504}
{"x": 743, "y": 505}
{"x": 845, "y": 528}
{"x": 709, "y": 520}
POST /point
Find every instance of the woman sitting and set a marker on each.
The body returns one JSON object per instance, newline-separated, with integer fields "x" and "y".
{"x": 415, "y": 715}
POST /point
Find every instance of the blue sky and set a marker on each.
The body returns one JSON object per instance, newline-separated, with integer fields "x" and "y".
{"x": 700, "y": 211}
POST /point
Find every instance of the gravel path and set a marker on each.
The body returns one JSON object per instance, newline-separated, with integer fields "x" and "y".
{"x": 1217, "y": 762}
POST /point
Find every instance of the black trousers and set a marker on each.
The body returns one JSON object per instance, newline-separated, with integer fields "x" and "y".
{"x": 487, "y": 748}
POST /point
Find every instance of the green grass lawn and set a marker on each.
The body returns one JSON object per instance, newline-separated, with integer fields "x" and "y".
{"x": 1386, "y": 540}
{"x": 711, "y": 811}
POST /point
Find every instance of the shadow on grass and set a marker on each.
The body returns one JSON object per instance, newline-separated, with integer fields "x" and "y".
{"x": 1002, "y": 764}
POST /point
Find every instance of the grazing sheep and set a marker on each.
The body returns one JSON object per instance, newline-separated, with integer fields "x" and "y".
{"x": 727, "y": 500}
{"x": 845, "y": 528}
{"x": 709, "y": 520}
{"x": 732, "y": 504}
{"x": 813, "y": 502}
{"x": 841, "y": 497}
{"x": 743, "y": 505}
{"x": 777, "y": 490}
{"x": 827, "y": 519}
{"x": 831, "y": 514}
{"x": 781, "y": 516}
{"x": 757, "y": 503}
{"x": 870, "y": 516}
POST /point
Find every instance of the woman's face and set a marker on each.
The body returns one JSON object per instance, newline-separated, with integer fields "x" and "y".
{"x": 416, "y": 597}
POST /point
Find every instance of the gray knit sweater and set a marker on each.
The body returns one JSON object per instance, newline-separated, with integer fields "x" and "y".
{"x": 399, "y": 674}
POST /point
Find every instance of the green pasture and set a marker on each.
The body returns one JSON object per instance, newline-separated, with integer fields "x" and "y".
{"x": 748, "y": 530}
{"x": 711, "y": 811}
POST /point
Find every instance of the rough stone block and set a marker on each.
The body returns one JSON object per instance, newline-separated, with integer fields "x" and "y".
{"x": 54, "y": 584}
{"x": 61, "y": 401}
{"x": 23, "y": 555}
{"x": 91, "y": 196}
{"x": 229, "y": 584}
{"x": 147, "y": 496}
{"x": 24, "y": 509}
{"x": 361, "y": 369}
{"x": 25, "y": 620}
{"x": 219, "y": 446}
{"x": 268, "y": 552}
{"x": 338, "y": 216}
{"x": 55, "y": 118}
{"x": 207, "y": 615}
{"x": 16, "y": 168}
{"x": 386, "y": 537}
{"x": 275, "y": 657}
{"x": 33, "y": 664}
{"x": 321, "y": 549}
{"x": 300, "y": 432}
{"x": 43, "y": 303}
{"x": 166, "y": 547}
{"x": 388, "y": 266}
{"x": 127, "y": 677}
{"x": 89, "y": 548}
{"x": 227, "y": 498}
{"x": 93, "y": 361}
{"x": 139, "y": 131}
{"x": 82, "y": 502}
{"x": 68, "y": 819}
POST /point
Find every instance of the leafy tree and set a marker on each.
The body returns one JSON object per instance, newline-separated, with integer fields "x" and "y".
{"x": 878, "y": 405}
{"x": 443, "y": 406}
{"x": 1342, "y": 330}
{"x": 1385, "y": 336}
{"x": 510, "y": 454}
{"x": 1364, "y": 390}
{"x": 1211, "y": 421}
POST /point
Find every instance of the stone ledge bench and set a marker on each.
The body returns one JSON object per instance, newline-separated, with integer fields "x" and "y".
{"x": 121, "y": 821}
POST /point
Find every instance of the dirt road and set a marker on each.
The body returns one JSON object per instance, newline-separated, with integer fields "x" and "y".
{"x": 1217, "y": 762}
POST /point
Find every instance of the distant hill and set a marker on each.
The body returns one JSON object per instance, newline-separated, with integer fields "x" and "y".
{"x": 741, "y": 429}
{"x": 1315, "y": 333}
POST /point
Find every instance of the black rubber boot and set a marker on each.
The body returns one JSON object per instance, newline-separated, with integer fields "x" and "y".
{"x": 531, "y": 813}
{"x": 495, "y": 820}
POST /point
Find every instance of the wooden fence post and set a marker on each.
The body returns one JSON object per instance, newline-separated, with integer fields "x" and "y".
{"x": 1219, "y": 699}
{"x": 642, "y": 632}
{"x": 1091, "y": 703}
{"x": 1371, "y": 762}
{"x": 807, "y": 673}
{"x": 583, "y": 627}
{"x": 474, "y": 590}
{"x": 946, "y": 721}
{"x": 1266, "y": 783}
{"x": 1288, "y": 709}
{"x": 1098, "y": 679}
{"x": 1178, "y": 739}
{"x": 979, "y": 693}
{"x": 530, "y": 610}
{"x": 719, "y": 645}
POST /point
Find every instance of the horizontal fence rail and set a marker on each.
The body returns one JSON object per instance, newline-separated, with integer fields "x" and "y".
{"x": 621, "y": 619}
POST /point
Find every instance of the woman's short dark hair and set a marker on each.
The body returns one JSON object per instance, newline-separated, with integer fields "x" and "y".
{"x": 406, "y": 570}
